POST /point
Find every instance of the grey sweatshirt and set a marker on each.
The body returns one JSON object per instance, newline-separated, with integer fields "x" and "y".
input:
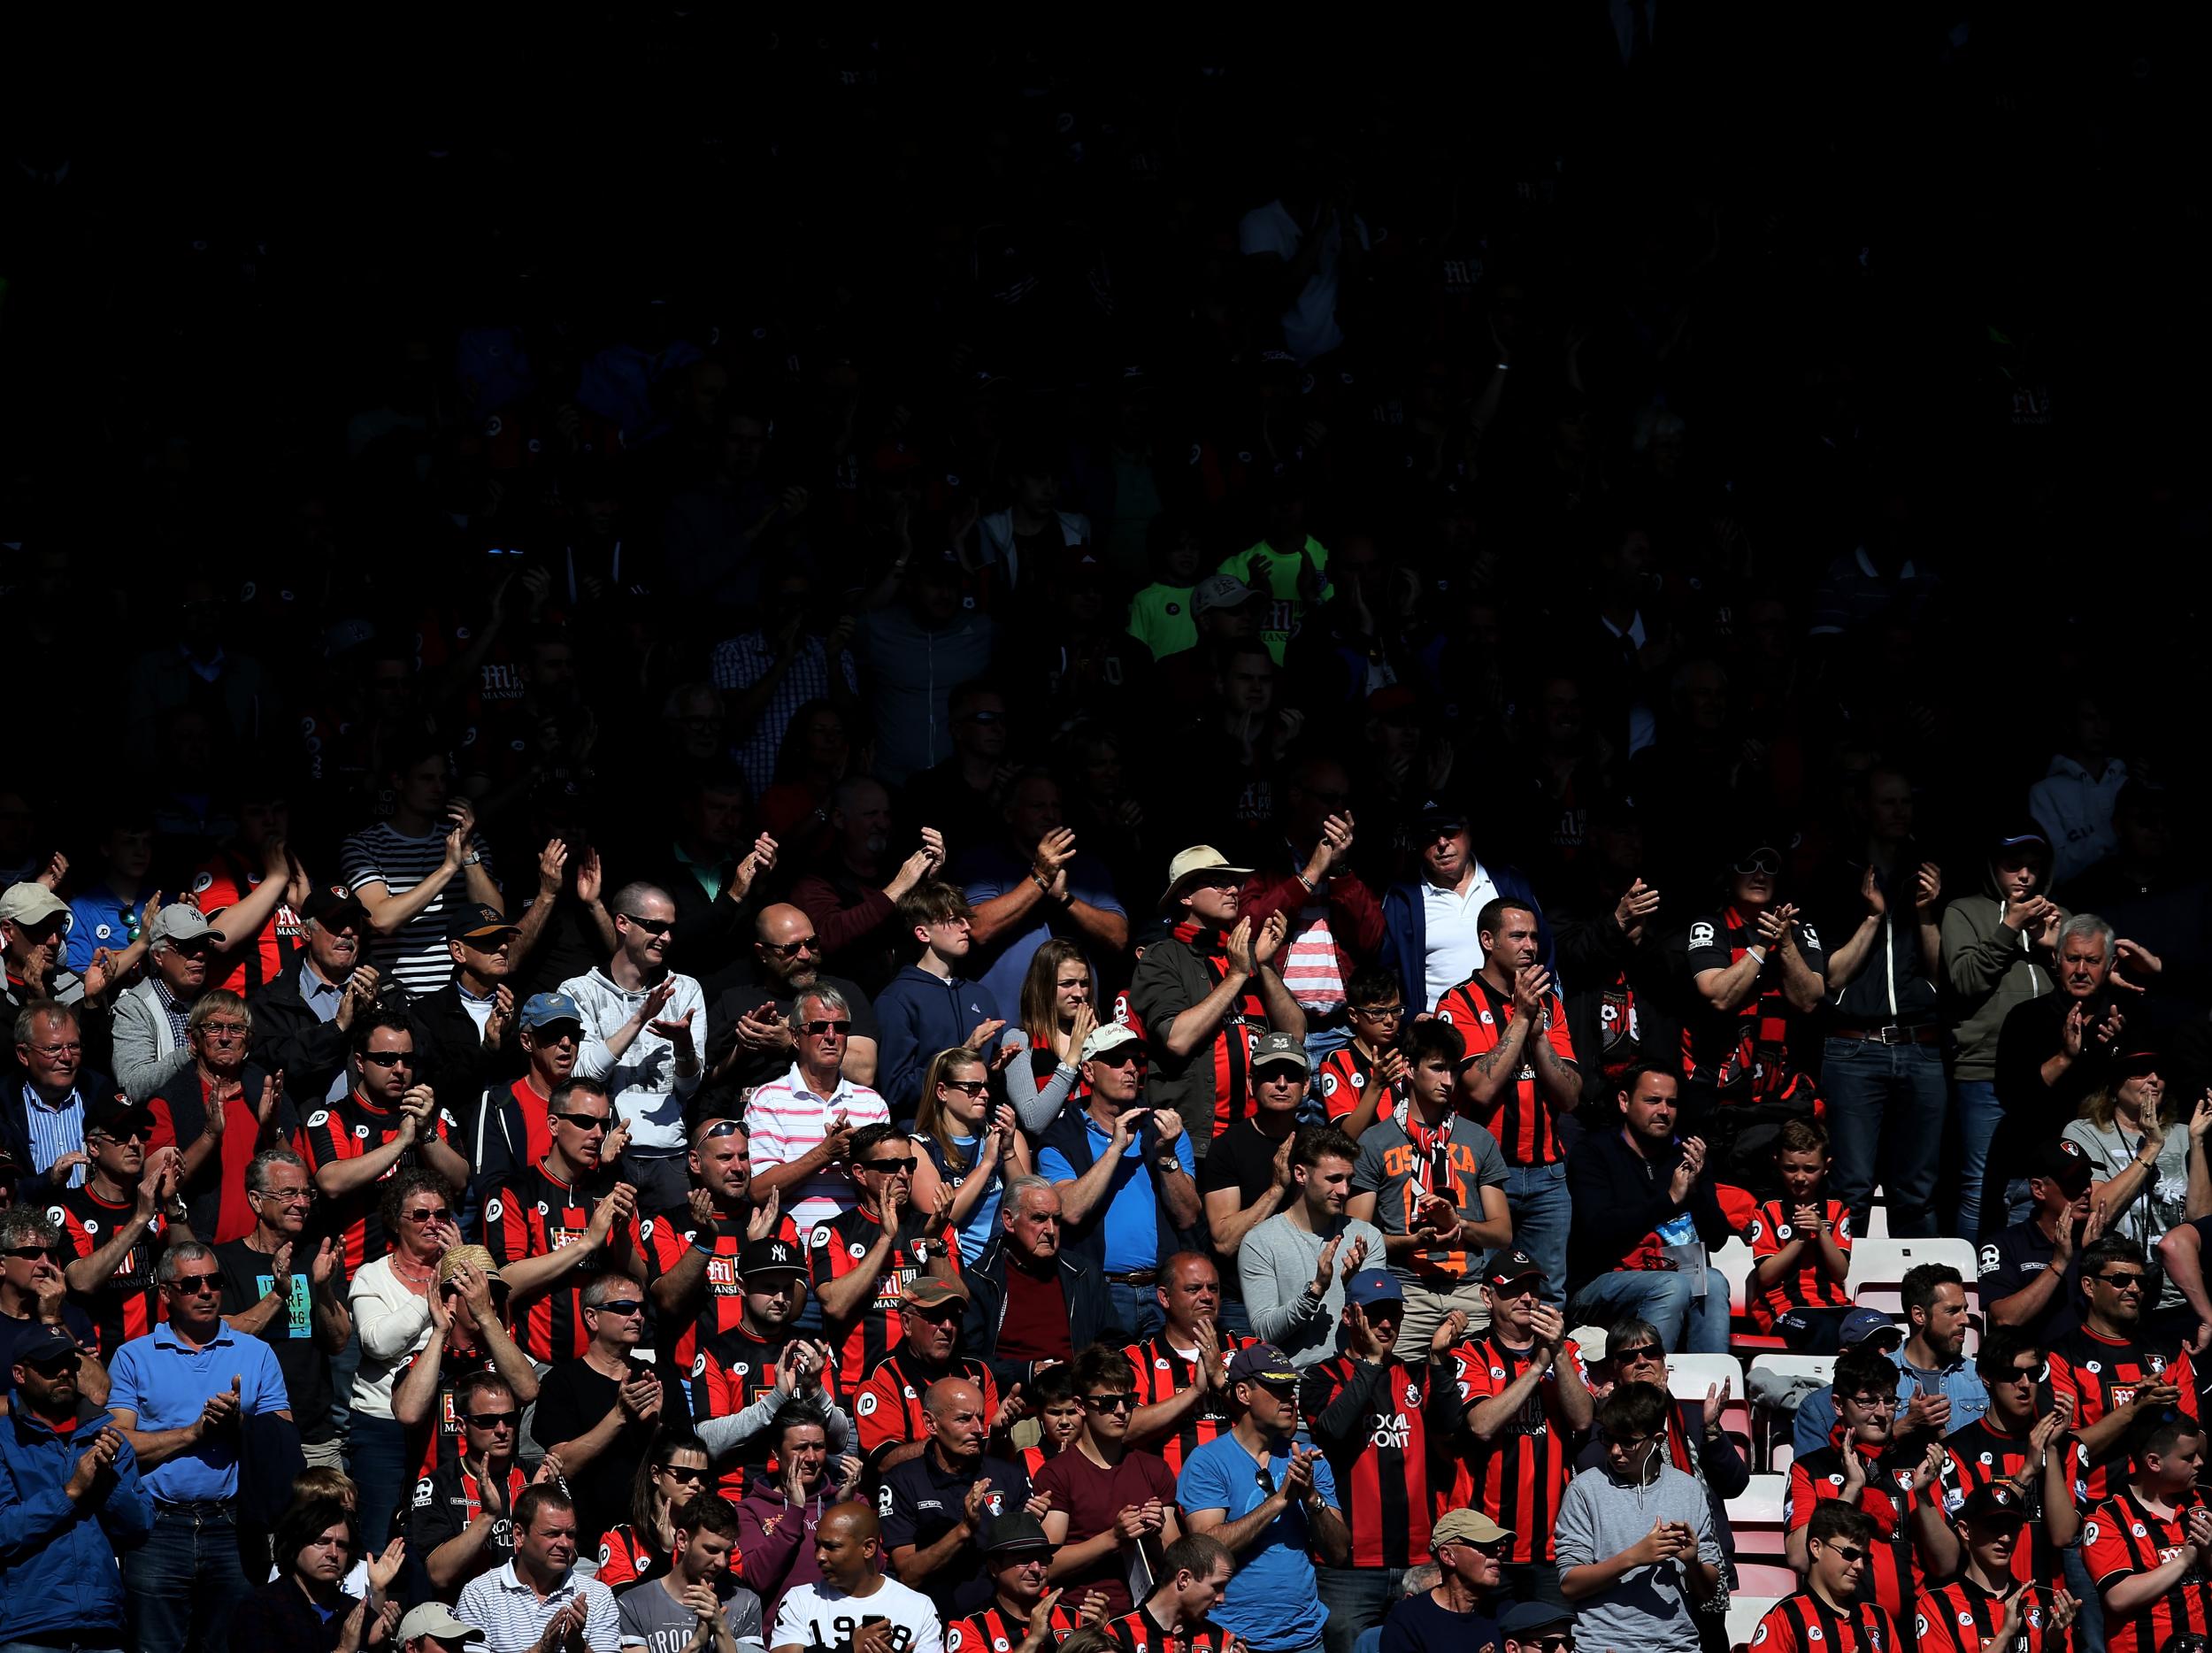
{"x": 1646, "y": 1608}
{"x": 1276, "y": 1264}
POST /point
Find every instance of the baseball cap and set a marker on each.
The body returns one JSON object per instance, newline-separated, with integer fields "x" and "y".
{"x": 929, "y": 1291}
{"x": 1279, "y": 1047}
{"x": 2135, "y": 1063}
{"x": 1018, "y": 1529}
{"x": 1511, "y": 1265}
{"x": 1107, "y": 1036}
{"x": 1263, "y": 1364}
{"x": 2065, "y": 1164}
{"x": 770, "y": 1255}
{"x": 1465, "y": 1526}
{"x": 180, "y": 922}
{"x": 474, "y": 919}
{"x": 1192, "y": 864}
{"x": 31, "y": 903}
{"x": 1373, "y": 1285}
{"x": 1219, "y": 591}
{"x": 1863, "y": 1325}
{"x": 327, "y": 906}
{"x": 110, "y": 1114}
{"x": 1993, "y": 1505}
{"x": 1533, "y": 1619}
{"x": 45, "y": 1343}
{"x": 434, "y": 1619}
{"x": 1441, "y": 814}
{"x": 543, "y": 1009}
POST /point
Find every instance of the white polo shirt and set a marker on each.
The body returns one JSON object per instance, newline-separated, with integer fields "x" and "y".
{"x": 512, "y": 1618}
{"x": 789, "y": 1120}
{"x": 1454, "y": 946}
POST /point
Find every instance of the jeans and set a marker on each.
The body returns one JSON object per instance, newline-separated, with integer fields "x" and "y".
{"x": 1686, "y": 1323}
{"x": 663, "y": 1182}
{"x": 1233, "y": 1316}
{"x": 1358, "y": 1599}
{"x": 2089, "y": 1622}
{"x": 384, "y": 1478}
{"x": 96, "y": 1645}
{"x": 1885, "y": 1107}
{"x": 343, "y": 1365}
{"x": 1136, "y": 1309}
{"x": 1537, "y": 1197}
{"x": 1974, "y": 1102}
{"x": 184, "y": 1582}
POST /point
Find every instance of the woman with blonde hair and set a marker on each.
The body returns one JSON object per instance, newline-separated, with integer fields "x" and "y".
{"x": 965, "y": 1144}
{"x": 1059, "y": 996}
{"x": 2149, "y": 1174}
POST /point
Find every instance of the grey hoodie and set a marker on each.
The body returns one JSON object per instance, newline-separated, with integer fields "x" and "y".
{"x": 1988, "y": 969}
{"x": 1646, "y": 1608}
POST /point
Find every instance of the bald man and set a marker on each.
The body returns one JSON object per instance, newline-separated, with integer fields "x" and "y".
{"x": 891, "y": 1619}
{"x": 750, "y": 1036}
{"x": 936, "y": 1503}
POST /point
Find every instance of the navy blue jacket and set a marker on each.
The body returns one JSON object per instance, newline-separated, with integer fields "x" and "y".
{"x": 15, "y": 1122}
{"x": 917, "y": 1016}
{"x": 59, "y": 1556}
{"x": 1406, "y": 933}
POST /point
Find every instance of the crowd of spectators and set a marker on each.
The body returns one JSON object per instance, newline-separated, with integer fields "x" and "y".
{"x": 1053, "y": 879}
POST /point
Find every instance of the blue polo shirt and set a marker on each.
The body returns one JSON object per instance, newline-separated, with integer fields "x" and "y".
{"x": 98, "y": 917}
{"x": 1133, "y": 1228}
{"x": 1270, "y": 1600}
{"x": 166, "y": 1382}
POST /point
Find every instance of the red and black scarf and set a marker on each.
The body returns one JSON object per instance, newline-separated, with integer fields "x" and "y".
{"x": 1240, "y": 1032}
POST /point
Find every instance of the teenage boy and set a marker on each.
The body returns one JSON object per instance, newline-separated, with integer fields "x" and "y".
{"x": 1801, "y": 1248}
{"x": 2144, "y": 1547}
{"x": 929, "y": 1006}
{"x": 1986, "y": 1605}
{"x": 1836, "y": 1611}
{"x": 1363, "y": 1082}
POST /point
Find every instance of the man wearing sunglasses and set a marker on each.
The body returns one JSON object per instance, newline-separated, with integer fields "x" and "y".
{"x": 644, "y": 1029}
{"x": 2011, "y": 1447}
{"x": 506, "y": 1127}
{"x": 35, "y": 1294}
{"x": 33, "y": 935}
{"x": 1756, "y": 963}
{"x": 118, "y": 1223}
{"x": 887, "y": 1403}
{"x": 596, "y": 1412}
{"x": 388, "y": 1121}
{"x": 461, "y": 1522}
{"x": 1108, "y": 1498}
{"x": 1835, "y": 1611}
{"x": 150, "y": 1052}
{"x": 182, "y": 1395}
{"x": 71, "y": 1486}
{"x": 1457, "y": 1615}
{"x": 1988, "y": 1605}
{"x": 694, "y": 1259}
{"x": 2114, "y": 1370}
{"x": 864, "y": 1260}
{"x": 803, "y": 1123}
{"x": 754, "y": 1034}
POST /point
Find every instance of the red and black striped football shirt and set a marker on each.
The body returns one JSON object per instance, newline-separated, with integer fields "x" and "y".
{"x": 348, "y": 1128}
{"x": 1343, "y": 1080}
{"x": 731, "y": 1370}
{"x": 438, "y": 1444}
{"x": 994, "y": 1630}
{"x": 534, "y": 1215}
{"x": 888, "y": 1407}
{"x": 1162, "y": 1374}
{"x": 624, "y": 1558}
{"x": 128, "y": 1304}
{"x": 1141, "y": 1633}
{"x": 724, "y": 1304}
{"x": 1980, "y": 1454}
{"x": 1960, "y": 1617}
{"x": 1520, "y": 1118}
{"x": 2123, "y": 1536}
{"x": 1803, "y": 1623}
{"x": 2102, "y": 1375}
{"x": 1809, "y": 1286}
{"x": 1519, "y": 1477}
{"x": 1239, "y": 1034}
{"x": 835, "y": 1248}
{"x": 1887, "y": 1497}
{"x": 1369, "y": 1422}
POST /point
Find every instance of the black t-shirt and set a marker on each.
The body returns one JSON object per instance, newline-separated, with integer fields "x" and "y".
{"x": 920, "y": 1502}
{"x": 2010, "y": 1261}
{"x": 573, "y": 1399}
{"x": 248, "y": 1276}
{"x": 1242, "y": 1158}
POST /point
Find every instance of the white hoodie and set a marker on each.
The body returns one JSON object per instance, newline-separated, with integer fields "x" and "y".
{"x": 2074, "y": 809}
{"x": 647, "y": 1089}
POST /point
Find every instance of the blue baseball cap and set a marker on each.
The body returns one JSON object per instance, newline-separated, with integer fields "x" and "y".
{"x": 1863, "y": 1324}
{"x": 1373, "y": 1285}
{"x": 544, "y": 1009}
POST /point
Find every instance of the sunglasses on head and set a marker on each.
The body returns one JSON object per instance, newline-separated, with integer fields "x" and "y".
{"x": 723, "y": 1127}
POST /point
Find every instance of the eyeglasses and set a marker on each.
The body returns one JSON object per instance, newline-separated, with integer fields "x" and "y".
{"x": 792, "y": 950}
{"x": 965, "y": 1087}
{"x": 1379, "y": 1012}
{"x": 1874, "y": 1402}
{"x": 285, "y": 1196}
{"x": 585, "y": 1122}
{"x": 56, "y": 1052}
{"x": 690, "y": 1477}
{"x": 490, "y": 1420}
{"x": 2121, "y": 1282}
{"x": 387, "y": 1058}
{"x": 1111, "y": 1402}
{"x": 1763, "y": 862}
{"x": 651, "y": 926}
{"x": 196, "y": 1285}
{"x": 624, "y": 1306}
{"x": 427, "y": 1214}
{"x": 223, "y": 1033}
{"x": 906, "y": 1163}
{"x": 820, "y": 1028}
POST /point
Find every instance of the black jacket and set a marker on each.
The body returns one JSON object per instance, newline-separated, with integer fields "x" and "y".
{"x": 15, "y": 1117}
{"x": 287, "y": 1035}
{"x": 458, "y": 1064}
{"x": 1618, "y": 1196}
{"x": 1081, "y": 1283}
{"x": 1594, "y": 954}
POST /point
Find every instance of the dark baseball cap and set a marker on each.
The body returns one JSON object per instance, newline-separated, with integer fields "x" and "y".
{"x": 1995, "y": 1506}
{"x": 1441, "y": 814}
{"x": 1533, "y": 1619}
{"x": 1511, "y": 1265}
{"x": 1862, "y": 1325}
{"x": 329, "y": 907}
{"x": 111, "y": 1114}
{"x": 770, "y": 1255}
{"x": 1265, "y": 1363}
{"x": 2065, "y": 1163}
{"x": 1373, "y": 1285}
{"x": 1016, "y": 1530}
{"x": 45, "y": 1344}
{"x": 473, "y": 921}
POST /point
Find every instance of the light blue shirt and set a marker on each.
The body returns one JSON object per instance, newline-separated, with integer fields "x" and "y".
{"x": 55, "y": 1132}
{"x": 1133, "y": 1228}
{"x": 166, "y": 1383}
{"x": 1270, "y": 1600}
{"x": 323, "y": 997}
{"x": 1816, "y": 1418}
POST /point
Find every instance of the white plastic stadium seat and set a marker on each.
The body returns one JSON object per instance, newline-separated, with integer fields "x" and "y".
{"x": 1735, "y": 1263}
{"x": 1879, "y": 1267}
{"x": 1744, "y": 1613}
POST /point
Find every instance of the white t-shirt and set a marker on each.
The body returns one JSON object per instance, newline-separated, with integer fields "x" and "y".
{"x": 1310, "y": 326}
{"x": 822, "y": 1616}
{"x": 1453, "y": 944}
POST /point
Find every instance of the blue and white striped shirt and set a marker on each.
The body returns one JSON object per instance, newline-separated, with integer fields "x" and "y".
{"x": 55, "y": 1132}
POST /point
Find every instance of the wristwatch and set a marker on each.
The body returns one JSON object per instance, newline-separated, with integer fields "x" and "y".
{"x": 1167, "y": 1162}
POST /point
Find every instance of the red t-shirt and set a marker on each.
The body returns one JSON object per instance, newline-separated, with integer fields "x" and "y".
{"x": 1093, "y": 1499}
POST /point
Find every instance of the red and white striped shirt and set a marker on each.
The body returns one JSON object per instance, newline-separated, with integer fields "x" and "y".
{"x": 789, "y": 1120}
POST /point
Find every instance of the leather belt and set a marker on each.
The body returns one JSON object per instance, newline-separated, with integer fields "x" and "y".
{"x": 1136, "y": 1276}
{"x": 1927, "y": 1033}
